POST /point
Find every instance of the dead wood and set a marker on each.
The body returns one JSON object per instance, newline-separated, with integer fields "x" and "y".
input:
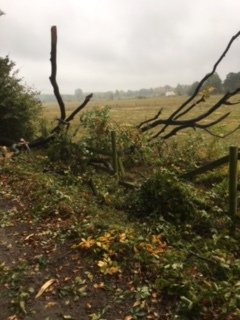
{"x": 63, "y": 120}
{"x": 53, "y": 75}
{"x": 175, "y": 122}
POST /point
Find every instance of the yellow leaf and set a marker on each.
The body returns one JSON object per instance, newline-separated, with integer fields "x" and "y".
{"x": 98, "y": 285}
{"x": 114, "y": 269}
{"x": 136, "y": 303}
{"x": 22, "y": 306}
{"x": 50, "y": 304}
{"x": 14, "y": 317}
{"x": 101, "y": 264}
{"x": 122, "y": 237}
{"x": 85, "y": 243}
{"x": 44, "y": 287}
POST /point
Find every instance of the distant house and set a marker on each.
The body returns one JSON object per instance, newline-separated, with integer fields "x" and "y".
{"x": 170, "y": 93}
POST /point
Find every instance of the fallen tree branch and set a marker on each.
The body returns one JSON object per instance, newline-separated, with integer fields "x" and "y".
{"x": 128, "y": 185}
{"x": 150, "y": 120}
{"x": 210, "y": 166}
{"x": 222, "y": 136}
{"x": 206, "y": 77}
{"x": 202, "y": 99}
{"x": 193, "y": 125}
{"x": 192, "y": 253}
{"x": 92, "y": 187}
{"x": 189, "y": 123}
{"x": 185, "y": 108}
{"x": 40, "y": 142}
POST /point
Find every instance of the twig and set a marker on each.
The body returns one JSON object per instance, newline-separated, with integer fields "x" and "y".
{"x": 150, "y": 120}
{"x": 93, "y": 187}
{"x": 202, "y": 99}
{"x": 193, "y": 125}
{"x": 128, "y": 185}
{"x": 191, "y": 253}
{"x": 222, "y": 136}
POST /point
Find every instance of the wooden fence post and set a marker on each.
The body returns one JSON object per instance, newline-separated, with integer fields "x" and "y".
{"x": 114, "y": 152}
{"x": 121, "y": 167}
{"x": 232, "y": 184}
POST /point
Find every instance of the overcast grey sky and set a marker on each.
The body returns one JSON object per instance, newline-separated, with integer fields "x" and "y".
{"x": 119, "y": 44}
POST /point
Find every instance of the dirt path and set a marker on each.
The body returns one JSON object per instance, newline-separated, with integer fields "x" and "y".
{"x": 29, "y": 257}
{"x": 10, "y": 252}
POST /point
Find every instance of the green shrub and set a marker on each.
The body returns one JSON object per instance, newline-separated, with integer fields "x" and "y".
{"x": 66, "y": 154}
{"x": 190, "y": 151}
{"x": 132, "y": 146}
{"x": 19, "y": 105}
{"x": 165, "y": 195}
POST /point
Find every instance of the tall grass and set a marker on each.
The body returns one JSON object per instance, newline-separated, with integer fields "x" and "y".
{"x": 133, "y": 111}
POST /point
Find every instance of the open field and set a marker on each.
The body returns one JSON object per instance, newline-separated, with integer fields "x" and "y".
{"x": 123, "y": 111}
{"x": 133, "y": 111}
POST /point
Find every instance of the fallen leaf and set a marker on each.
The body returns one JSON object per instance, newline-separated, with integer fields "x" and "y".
{"x": 50, "y": 304}
{"x": 67, "y": 278}
{"x": 14, "y": 317}
{"x": 44, "y": 287}
{"x": 98, "y": 285}
{"x": 136, "y": 303}
{"x": 22, "y": 306}
{"x": 29, "y": 236}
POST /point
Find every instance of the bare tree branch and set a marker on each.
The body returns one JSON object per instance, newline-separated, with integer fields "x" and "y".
{"x": 227, "y": 103}
{"x": 85, "y": 102}
{"x": 207, "y": 76}
{"x": 193, "y": 125}
{"x": 53, "y": 59}
{"x": 152, "y": 119}
{"x": 222, "y": 136}
{"x": 66, "y": 122}
{"x": 185, "y": 108}
{"x": 202, "y": 99}
{"x": 52, "y": 78}
{"x": 216, "y": 106}
{"x": 189, "y": 122}
{"x": 62, "y": 121}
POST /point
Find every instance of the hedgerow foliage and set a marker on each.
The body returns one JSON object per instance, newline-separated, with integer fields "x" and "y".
{"x": 19, "y": 105}
{"x": 75, "y": 150}
{"x": 163, "y": 194}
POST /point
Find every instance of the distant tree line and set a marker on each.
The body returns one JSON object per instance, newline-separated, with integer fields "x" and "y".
{"x": 217, "y": 86}
{"x": 128, "y": 94}
{"x": 231, "y": 83}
